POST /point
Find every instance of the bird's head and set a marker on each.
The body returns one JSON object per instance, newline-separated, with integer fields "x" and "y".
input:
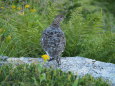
{"x": 59, "y": 17}
{"x": 57, "y": 20}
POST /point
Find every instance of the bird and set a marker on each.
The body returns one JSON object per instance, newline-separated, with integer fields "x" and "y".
{"x": 53, "y": 40}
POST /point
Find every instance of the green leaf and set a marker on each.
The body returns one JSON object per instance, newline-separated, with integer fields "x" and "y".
{"x": 40, "y": 68}
{"x": 75, "y": 82}
{"x": 42, "y": 77}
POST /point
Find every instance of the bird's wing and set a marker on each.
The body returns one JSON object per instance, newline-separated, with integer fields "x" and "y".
{"x": 62, "y": 41}
{"x": 53, "y": 41}
{"x": 44, "y": 39}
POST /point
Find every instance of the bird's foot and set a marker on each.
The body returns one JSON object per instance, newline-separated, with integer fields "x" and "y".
{"x": 58, "y": 61}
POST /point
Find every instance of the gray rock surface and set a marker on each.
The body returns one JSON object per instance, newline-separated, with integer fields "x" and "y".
{"x": 77, "y": 65}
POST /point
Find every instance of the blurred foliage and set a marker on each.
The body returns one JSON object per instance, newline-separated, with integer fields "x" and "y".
{"x": 36, "y": 75}
{"x": 108, "y": 13}
{"x": 88, "y": 26}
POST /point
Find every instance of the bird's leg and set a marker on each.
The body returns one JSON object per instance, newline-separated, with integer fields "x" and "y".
{"x": 58, "y": 61}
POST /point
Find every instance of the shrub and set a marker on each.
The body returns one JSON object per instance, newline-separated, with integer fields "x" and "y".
{"x": 36, "y": 75}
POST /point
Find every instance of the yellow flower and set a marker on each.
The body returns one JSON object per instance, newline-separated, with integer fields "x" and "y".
{"x": 45, "y": 57}
{"x": 27, "y": 6}
{"x": 19, "y": 8}
{"x": 21, "y": 13}
{"x": 2, "y": 30}
{"x": 2, "y": 7}
{"x": 8, "y": 38}
{"x": 32, "y": 10}
{"x": 13, "y": 6}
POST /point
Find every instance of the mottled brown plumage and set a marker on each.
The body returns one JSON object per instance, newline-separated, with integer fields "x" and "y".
{"x": 53, "y": 39}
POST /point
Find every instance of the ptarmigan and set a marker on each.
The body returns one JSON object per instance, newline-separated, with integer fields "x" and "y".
{"x": 53, "y": 40}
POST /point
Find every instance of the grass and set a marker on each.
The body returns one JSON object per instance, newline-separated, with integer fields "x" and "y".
{"x": 89, "y": 32}
{"x": 35, "y": 75}
{"x": 20, "y": 32}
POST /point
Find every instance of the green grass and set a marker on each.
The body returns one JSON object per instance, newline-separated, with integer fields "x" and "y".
{"x": 89, "y": 31}
{"x": 35, "y": 75}
{"x": 83, "y": 26}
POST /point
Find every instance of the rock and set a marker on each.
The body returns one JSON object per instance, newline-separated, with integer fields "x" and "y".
{"x": 83, "y": 66}
{"x": 77, "y": 65}
{"x": 23, "y": 60}
{"x": 3, "y": 58}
